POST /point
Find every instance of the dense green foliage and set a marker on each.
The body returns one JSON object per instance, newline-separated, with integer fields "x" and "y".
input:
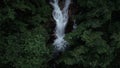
{"x": 25, "y": 35}
{"x": 22, "y": 34}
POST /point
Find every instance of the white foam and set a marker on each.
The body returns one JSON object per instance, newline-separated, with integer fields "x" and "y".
{"x": 61, "y": 19}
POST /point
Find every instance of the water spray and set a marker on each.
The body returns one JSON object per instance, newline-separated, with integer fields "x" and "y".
{"x": 61, "y": 19}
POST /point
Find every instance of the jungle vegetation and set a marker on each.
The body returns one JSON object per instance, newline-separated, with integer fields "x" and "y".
{"x": 27, "y": 34}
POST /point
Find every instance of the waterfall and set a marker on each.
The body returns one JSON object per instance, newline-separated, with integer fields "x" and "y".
{"x": 61, "y": 19}
{"x": 74, "y": 25}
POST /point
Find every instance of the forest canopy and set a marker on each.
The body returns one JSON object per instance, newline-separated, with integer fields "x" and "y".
{"x": 27, "y": 34}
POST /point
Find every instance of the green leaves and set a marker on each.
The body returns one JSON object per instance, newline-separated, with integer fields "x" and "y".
{"x": 116, "y": 38}
{"x": 24, "y": 37}
{"x": 95, "y": 41}
{"x": 25, "y": 27}
{"x": 29, "y": 50}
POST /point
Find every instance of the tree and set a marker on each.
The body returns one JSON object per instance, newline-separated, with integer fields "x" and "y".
{"x": 26, "y": 27}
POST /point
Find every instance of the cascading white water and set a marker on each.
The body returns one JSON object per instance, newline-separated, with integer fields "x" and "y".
{"x": 74, "y": 25}
{"x": 61, "y": 19}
